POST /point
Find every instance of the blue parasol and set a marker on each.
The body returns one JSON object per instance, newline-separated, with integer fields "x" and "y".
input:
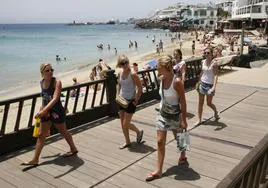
{"x": 152, "y": 63}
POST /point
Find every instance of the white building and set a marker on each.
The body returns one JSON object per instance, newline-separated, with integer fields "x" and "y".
{"x": 226, "y": 5}
{"x": 250, "y": 9}
{"x": 199, "y": 16}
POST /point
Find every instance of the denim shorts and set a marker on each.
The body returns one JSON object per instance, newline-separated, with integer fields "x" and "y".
{"x": 164, "y": 124}
{"x": 204, "y": 88}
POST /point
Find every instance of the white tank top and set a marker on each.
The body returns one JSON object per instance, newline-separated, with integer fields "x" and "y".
{"x": 170, "y": 94}
{"x": 208, "y": 73}
{"x": 128, "y": 88}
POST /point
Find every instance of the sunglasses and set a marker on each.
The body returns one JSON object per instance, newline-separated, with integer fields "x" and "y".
{"x": 123, "y": 63}
{"x": 49, "y": 70}
{"x": 206, "y": 52}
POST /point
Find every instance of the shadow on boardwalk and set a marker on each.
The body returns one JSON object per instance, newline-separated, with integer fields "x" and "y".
{"x": 182, "y": 173}
{"x": 74, "y": 162}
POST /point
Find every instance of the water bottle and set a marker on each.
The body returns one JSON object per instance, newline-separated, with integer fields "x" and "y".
{"x": 181, "y": 142}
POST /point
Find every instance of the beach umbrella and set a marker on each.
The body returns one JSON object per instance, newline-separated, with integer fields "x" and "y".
{"x": 152, "y": 63}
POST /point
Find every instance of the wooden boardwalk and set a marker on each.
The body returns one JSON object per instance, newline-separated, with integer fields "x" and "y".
{"x": 216, "y": 148}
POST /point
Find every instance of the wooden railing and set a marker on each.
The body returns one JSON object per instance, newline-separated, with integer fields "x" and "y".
{"x": 252, "y": 171}
{"x": 18, "y": 113}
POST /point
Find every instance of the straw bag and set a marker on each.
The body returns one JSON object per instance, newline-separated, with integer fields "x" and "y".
{"x": 121, "y": 101}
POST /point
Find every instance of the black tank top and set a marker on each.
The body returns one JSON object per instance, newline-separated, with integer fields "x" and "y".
{"x": 47, "y": 95}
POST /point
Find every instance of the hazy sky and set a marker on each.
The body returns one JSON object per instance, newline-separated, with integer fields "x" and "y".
{"x": 60, "y": 11}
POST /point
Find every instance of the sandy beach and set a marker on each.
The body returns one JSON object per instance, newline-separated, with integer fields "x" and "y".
{"x": 82, "y": 75}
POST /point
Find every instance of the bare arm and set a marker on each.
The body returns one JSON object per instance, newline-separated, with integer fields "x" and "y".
{"x": 216, "y": 72}
{"x": 138, "y": 84}
{"x": 118, "y": 88}
{"x": 180, "y": 90}
{"x": 183, "y": 71}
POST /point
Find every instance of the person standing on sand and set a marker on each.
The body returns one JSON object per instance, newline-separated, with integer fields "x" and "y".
{"x": 161, "y": 45}
{"x": 51, "y": 111}
{"x": 129, "y": 87}
{"x": 193, "y": 47}
{"x": 207, "y": 84}
{"x": 172, "y": 95}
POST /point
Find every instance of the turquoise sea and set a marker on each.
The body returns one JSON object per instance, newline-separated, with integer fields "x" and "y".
{"x": 23, "y": 47}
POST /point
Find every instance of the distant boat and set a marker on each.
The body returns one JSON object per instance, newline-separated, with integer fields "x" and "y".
{"x": 111, "y": 22}
{"x": 80, "y": 23}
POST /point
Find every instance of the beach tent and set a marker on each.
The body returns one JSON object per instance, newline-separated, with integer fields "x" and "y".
{"x": 152, "y": 63}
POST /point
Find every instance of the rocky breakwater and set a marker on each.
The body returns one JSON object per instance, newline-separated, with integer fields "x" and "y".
{"x": 158, "y": 24}
{"x": 152, "y": 24}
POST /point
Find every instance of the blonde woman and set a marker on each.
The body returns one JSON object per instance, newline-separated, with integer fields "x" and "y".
{"x": 129, "y": 87}
{"x": 51, "y": 111}
{"x": 208, "y": 81}
{"x": 172, "y": 115}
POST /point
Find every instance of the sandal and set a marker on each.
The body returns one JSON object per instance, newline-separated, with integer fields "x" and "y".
{"x": 216, "y": 116}
{"x": 183, "y": 162}
{"x": 152, "y": 177}
{"x": 30, "y": 163}
{"x": 124, "y": 146}
{"x": 139, "y": 137}
{"x": 70, "y": 154}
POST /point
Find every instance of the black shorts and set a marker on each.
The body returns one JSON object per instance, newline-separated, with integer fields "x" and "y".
{"x": 130, "y": 109}
{"x": 55, "y": 117}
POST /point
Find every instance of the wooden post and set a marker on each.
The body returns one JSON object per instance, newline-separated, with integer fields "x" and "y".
{"x": 111, "y": 92}
{"x": 242, "y": 38}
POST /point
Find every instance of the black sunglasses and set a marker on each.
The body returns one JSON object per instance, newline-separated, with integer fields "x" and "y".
{"x": 49, "y": 70}
{"x": 206, "y": 52}
{"x": 123, "y": 63}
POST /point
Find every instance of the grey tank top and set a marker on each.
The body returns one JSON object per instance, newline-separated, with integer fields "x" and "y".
{"x": 128, "y": 88}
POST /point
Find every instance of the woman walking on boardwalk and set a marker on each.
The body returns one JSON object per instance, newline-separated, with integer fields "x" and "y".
{"x": 180, "y": 65}
{"x": 130, "y": 88}
{"x": 172, "y": 114}
{"x": 207, "y": 84}
{"x": 51, "y": 111}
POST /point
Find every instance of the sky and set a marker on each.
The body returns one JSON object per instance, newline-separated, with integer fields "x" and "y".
{"x": 65, "y": 11}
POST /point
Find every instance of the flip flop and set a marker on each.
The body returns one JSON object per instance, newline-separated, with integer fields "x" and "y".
{"x": 152, "y": 177}
{"x": 29, "y": 164}
{"x": 70, "y": 154}
{"x": 139, "y": 137}
{"x": 124, "y": 146}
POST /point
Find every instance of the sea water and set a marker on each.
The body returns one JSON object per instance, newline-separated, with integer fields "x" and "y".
{"x": 23, "y": 47}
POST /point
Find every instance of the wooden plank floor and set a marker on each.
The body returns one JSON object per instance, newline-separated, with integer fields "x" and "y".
{"x": 216, "y": 148}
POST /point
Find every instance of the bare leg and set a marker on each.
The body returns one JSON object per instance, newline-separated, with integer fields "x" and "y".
{"x": 212, "y": 106}
{"x": 161, "y": 144}
{"x": 200, "y": 107}
{"x": 125, "y": 127}
{"x": 45, "y": 127}
{"x": 68, "y": 137}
